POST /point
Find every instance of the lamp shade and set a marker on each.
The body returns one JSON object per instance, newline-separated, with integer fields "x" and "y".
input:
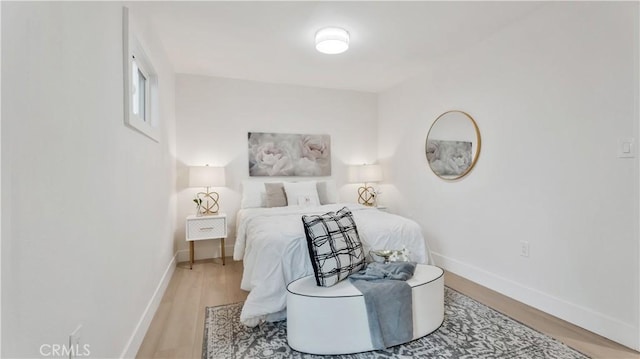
{"x": 205, "y": 176}
{"x": 367, "y": 173}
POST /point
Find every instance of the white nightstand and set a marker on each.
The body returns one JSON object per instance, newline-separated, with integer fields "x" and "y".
{"x": 206, "y": 227}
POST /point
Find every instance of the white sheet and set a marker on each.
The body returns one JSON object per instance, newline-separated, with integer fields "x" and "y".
{"x": 272, "y": 244}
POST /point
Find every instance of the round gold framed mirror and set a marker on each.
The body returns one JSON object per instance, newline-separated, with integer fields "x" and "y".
{"x": 453, "y": 145}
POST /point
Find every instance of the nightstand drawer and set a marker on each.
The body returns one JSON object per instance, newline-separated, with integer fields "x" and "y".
{"x": 206, "y": 228}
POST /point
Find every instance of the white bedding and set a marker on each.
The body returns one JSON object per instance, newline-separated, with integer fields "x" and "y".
{"x": 272, "y": 244}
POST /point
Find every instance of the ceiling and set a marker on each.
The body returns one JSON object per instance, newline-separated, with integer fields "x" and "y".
{"x": 274, "y": 41}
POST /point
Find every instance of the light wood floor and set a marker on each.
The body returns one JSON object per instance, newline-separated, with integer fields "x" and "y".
{"x": 583, "y": 341}
{"x": 177, "y": 328}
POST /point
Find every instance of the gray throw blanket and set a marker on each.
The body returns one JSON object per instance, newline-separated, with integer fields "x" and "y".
{"x": 388, "y": 300}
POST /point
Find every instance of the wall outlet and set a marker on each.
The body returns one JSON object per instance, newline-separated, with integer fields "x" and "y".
{"x": 524, "y": 249}
{"x": 74, "y": 342}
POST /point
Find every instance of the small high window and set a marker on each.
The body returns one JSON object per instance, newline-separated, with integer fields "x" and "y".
{"x": 140, "y": 83}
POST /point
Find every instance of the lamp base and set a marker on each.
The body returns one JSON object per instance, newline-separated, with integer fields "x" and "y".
{"x": 209, "y": 206}
{"x": 367, "y": 196}
{"x": 204, "y": 214}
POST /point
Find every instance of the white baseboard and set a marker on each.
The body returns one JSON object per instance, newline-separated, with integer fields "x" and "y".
{"x": 133, "y": 345}
{"x": 182, "y": 255}
{"x": 593, "y": 321}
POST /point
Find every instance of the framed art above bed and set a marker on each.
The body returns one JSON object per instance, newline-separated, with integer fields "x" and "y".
{"x": 281, "y": 154}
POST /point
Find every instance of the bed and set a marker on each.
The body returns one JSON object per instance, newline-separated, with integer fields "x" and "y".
{"x": 272, "y": 244}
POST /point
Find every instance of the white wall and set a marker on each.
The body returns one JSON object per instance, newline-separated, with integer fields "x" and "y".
{"x": 552, "y": 94}
{"x": 0, "y": 200}
{"x": 88, "y": 205}
{"x": 214, "y": 115}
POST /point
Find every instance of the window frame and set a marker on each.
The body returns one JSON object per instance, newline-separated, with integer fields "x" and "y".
{"x": 133, "y": 51}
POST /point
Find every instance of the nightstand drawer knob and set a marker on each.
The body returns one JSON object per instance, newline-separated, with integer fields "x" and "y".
{"x": 206, "y": 228}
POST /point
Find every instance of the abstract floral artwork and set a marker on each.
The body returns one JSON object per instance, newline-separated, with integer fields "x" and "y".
{"x": 449, "y": 158}
{"x": 279, "y": 154}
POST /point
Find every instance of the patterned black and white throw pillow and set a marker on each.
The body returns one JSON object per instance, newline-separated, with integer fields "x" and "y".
{"x": 334, "y": 246}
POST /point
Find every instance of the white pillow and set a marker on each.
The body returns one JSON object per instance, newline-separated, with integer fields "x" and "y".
{"x": 327, "y": 192}
{"x": 254, "y": 194}
{"x": 301, "y": 193}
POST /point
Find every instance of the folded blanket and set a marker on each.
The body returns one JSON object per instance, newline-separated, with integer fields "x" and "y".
{"x": 391, "y": 270}
{"x": 388, "y": 301}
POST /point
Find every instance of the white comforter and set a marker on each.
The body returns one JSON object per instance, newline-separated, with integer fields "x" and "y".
{"x": 272, "y": 244}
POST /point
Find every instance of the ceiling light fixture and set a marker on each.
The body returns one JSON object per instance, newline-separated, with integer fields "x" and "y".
{"x": 332, "y": 40}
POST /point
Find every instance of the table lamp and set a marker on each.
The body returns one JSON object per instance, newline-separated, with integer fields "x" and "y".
{"x": 367, "y": 174}
{"x": 205, "y": 176}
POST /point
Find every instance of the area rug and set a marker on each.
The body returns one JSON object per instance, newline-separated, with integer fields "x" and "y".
{"x": 470, "y": 330}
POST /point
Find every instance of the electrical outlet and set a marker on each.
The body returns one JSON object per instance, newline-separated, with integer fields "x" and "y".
{"x": 74, "y": 342}
{"x": 524, "y": 249}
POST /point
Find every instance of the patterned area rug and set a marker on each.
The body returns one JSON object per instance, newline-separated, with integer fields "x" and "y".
{"x": 470, "y": 330}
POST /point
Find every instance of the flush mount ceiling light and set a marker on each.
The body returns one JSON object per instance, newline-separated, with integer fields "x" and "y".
{"x": 332, "y": 40}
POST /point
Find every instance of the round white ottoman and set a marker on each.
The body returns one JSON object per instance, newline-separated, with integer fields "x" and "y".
{"x": 334, "y": 320}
